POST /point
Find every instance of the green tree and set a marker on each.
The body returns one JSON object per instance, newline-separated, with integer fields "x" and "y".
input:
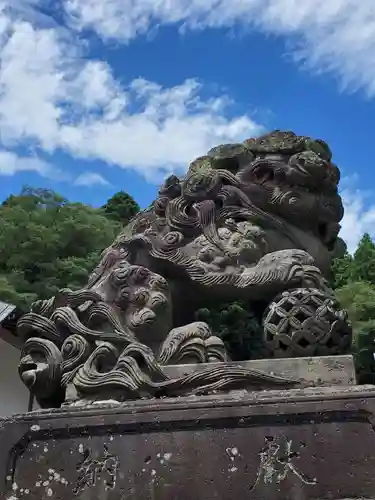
{"x": 48, "y": 243}
{"x": 348, "y": 268}
{"x": 363, "y": 266}
{"x": 121, "y": 207}
{"x": 236, "y": 324}
{"x": 358, "y": 298}
{"x": 342, "y": 270}
{"x": 8, "y": 293}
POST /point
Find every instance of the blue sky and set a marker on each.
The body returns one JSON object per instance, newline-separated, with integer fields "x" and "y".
{"x": 102, "y": 95}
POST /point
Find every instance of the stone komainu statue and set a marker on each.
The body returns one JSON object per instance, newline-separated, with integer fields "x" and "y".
{"x": 255, "y": 223}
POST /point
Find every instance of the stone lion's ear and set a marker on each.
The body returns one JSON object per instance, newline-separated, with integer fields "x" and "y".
{"x": 319, "y": 147}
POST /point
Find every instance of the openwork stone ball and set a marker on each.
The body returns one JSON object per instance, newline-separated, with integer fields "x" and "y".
{"x": 306, "y": 322}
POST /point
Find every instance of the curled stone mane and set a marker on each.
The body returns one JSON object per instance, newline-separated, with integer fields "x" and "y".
{"x": 254, "y": 223}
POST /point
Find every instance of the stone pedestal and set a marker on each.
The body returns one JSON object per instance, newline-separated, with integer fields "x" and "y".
{"x": 298, "y": 444}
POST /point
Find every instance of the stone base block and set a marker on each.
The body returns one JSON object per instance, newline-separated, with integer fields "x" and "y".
{"x": 311, "y": 371}
{"x": 299, "y": 444}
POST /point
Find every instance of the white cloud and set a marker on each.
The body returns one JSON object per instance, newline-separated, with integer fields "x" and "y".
{"x": 330, "y": 35}
{"x": 55, "y": 99}
{"x": 359, "y": 217}
{"x": 11, "y": 163}
{"x": 89, "y": 179}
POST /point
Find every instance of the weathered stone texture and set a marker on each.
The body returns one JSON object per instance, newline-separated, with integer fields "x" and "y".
{"x": 152, "y": 401}
{"x": 253, "y": 226}
{"x": 268, "y": 445}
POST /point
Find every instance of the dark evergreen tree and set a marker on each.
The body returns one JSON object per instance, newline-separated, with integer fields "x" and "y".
{"x": 363, "y": 267}
{"x": 121, "y": 207}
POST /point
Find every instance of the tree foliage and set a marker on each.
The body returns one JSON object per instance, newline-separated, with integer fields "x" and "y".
{"x": 47, "y": 243}
{"x": 363, "y": 264}
{"x": 236, "y": 324}
{"x": 121, "y": 207}
{"x": 354, "y": 280}
{"x": 341, "y": 270}
{"x": 358, "y": 298}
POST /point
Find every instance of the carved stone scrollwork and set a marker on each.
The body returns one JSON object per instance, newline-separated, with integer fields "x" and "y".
{"x": 40, "y": 370}
{"x": 192, "y": 343}
{"x": 249, "y": 222}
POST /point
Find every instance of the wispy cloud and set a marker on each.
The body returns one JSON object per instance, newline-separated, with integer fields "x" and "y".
{"x": 359, "y": 216}
{"x": 90, "y": 179}
{"x": 11, "y": 163}
{"x": 337, "y": 36}
{"x": 55, "y": 99}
